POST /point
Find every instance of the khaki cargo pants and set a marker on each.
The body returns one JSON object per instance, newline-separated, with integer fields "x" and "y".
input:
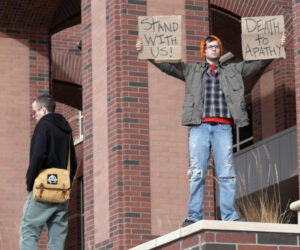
{"x": 35, "y": 216}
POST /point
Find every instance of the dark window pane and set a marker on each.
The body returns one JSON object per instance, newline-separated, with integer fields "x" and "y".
{"x": 244, "y": 133}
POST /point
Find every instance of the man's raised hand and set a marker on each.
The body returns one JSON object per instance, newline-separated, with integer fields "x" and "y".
{"x": 283, "y": 40}
{"x": 139, "y": 45}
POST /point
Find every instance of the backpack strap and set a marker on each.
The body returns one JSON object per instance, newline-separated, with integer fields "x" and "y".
{"x": 69, "y": 163}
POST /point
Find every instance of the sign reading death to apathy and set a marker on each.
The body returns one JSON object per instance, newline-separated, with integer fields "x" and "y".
{"x": 261, "y": 37}
{"x": 161, "y": 37}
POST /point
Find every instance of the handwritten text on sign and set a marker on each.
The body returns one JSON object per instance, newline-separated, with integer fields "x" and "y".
{"x": 161, "y": 37}
{"x": 261, "y": 37}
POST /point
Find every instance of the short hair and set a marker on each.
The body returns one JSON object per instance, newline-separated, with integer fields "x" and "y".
{"x": 46, "y": 101}
{"x": 210, "y": 39}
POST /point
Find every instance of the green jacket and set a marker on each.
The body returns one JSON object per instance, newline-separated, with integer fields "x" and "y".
{"x": 231, "y": 80}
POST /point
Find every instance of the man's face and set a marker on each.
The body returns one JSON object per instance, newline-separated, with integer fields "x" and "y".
{"x": 37, "y": 111}
{"x": 212, "y": 50}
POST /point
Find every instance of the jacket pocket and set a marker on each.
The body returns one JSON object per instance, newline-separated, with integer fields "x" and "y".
{"x": 187, "y": 111}
{"x": 233, "y": 81}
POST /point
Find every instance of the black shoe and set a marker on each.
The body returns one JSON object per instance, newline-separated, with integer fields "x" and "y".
{"x": 187, "y": 222}
{"x": 240, "y": 219}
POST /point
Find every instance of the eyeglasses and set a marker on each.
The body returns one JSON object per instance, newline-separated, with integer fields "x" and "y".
{"x": 213, "y": 47}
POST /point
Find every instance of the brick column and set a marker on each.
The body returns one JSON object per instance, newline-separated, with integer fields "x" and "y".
{"x": 128, "y": 127}
{"x": 296, "y": 23}
{"x": 87, "y": 109}
{"x": 197, "y": 27}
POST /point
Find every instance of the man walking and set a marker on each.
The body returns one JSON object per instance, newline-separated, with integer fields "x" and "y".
{"x": 49, "y": 148}
{"x": 214, "y": 102}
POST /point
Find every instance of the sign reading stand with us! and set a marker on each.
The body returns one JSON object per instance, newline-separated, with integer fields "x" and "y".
{"x": 261, "y": 37}
{"x": 161, "y": 37}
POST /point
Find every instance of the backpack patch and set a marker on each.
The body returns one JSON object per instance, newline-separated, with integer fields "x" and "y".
{"x": 52, "y": 179}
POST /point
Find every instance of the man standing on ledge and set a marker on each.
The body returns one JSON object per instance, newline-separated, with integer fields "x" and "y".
{"x": 49, "y": 147}
{"x": 214, "y": 101}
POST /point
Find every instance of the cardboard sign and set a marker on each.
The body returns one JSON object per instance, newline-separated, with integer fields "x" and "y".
{"x": 261, "y": 37}
{"x": 161, "y": 37}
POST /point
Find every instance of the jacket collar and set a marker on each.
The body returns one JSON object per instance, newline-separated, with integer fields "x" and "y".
{"x": 207, "y": 65}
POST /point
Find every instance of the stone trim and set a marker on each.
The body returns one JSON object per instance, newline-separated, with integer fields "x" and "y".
{"x": 219, "y": 226}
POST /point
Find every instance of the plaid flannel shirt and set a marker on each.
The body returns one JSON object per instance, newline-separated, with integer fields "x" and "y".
{"x": 214, "y": 100}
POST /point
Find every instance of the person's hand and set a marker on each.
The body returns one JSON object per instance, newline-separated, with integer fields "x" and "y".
{"x": 139, "y": 45}
{"x": 283, "y": 40}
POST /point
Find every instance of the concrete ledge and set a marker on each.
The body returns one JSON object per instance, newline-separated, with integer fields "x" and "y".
{"x": 211, "y": 225}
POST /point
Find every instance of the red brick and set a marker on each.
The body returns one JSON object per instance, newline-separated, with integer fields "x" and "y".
{"x": 190, "y": 241}
{"x": 172, "y": 246}
{"x": 236, "y": 237}
{"x": 207, "y": 237}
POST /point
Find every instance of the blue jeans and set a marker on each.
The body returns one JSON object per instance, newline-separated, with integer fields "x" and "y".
{"x": 35, "y": 216}
{"x": 219, "y": 137}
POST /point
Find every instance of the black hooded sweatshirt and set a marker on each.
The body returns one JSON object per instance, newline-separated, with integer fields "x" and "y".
{"x": 49, "y": 147}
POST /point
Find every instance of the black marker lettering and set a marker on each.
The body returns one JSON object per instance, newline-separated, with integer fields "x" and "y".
{"x": 163, "y": 51}
{"x": 261, "y": 51}
{"x": 279, "y": 49}
{"x": 152, "y": 52}
{"x": 174, "y": 40}
{"x": 145, "y": 21}
{"x": 255, "y": 50}
{"x": 272, "y": 51}
{"x": 150, "y": 40}
{"x": 175, "y": 26}
{"x": 248, "y": 50}
{"x": 250, "y": 24}
{"x": 168, "y": 28}
{"x": 160, "y": 28}
{"x": 162, "y": 41}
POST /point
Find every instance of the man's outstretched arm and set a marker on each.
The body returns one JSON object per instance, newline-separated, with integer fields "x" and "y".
{"x": 173, "y": 69}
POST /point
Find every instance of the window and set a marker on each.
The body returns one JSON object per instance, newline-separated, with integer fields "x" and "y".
{"x": 80, "y": 124}
{"x": 243, "y": 136}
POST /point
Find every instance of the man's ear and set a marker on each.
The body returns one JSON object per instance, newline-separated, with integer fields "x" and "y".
{"x": 44, "y": 110}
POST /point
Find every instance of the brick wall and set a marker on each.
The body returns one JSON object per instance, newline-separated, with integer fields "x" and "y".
{"x": 66, "y": 65}
{"x": 228, "y": 235}
{"x": 24, "y": 74}
{"x": 66, "y": 56}
{"x": 168, "y": 139}
{"x": 14, "y": 149}
{"x": 25, "y": 71}
{"x": 128, "y": 123}
{"x": 66, "y": 41}
{"x": 218, "y": 240}
{"x": 87, "y": 107}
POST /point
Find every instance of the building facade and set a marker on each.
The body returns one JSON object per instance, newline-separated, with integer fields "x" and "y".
{"x": 132, "y": 183}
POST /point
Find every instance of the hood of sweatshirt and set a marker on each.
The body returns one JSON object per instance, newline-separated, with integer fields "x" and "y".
{"x": 58, "y": 121}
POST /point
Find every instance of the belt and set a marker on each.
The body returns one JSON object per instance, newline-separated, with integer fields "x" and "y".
{"x": 213, "y": 123}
